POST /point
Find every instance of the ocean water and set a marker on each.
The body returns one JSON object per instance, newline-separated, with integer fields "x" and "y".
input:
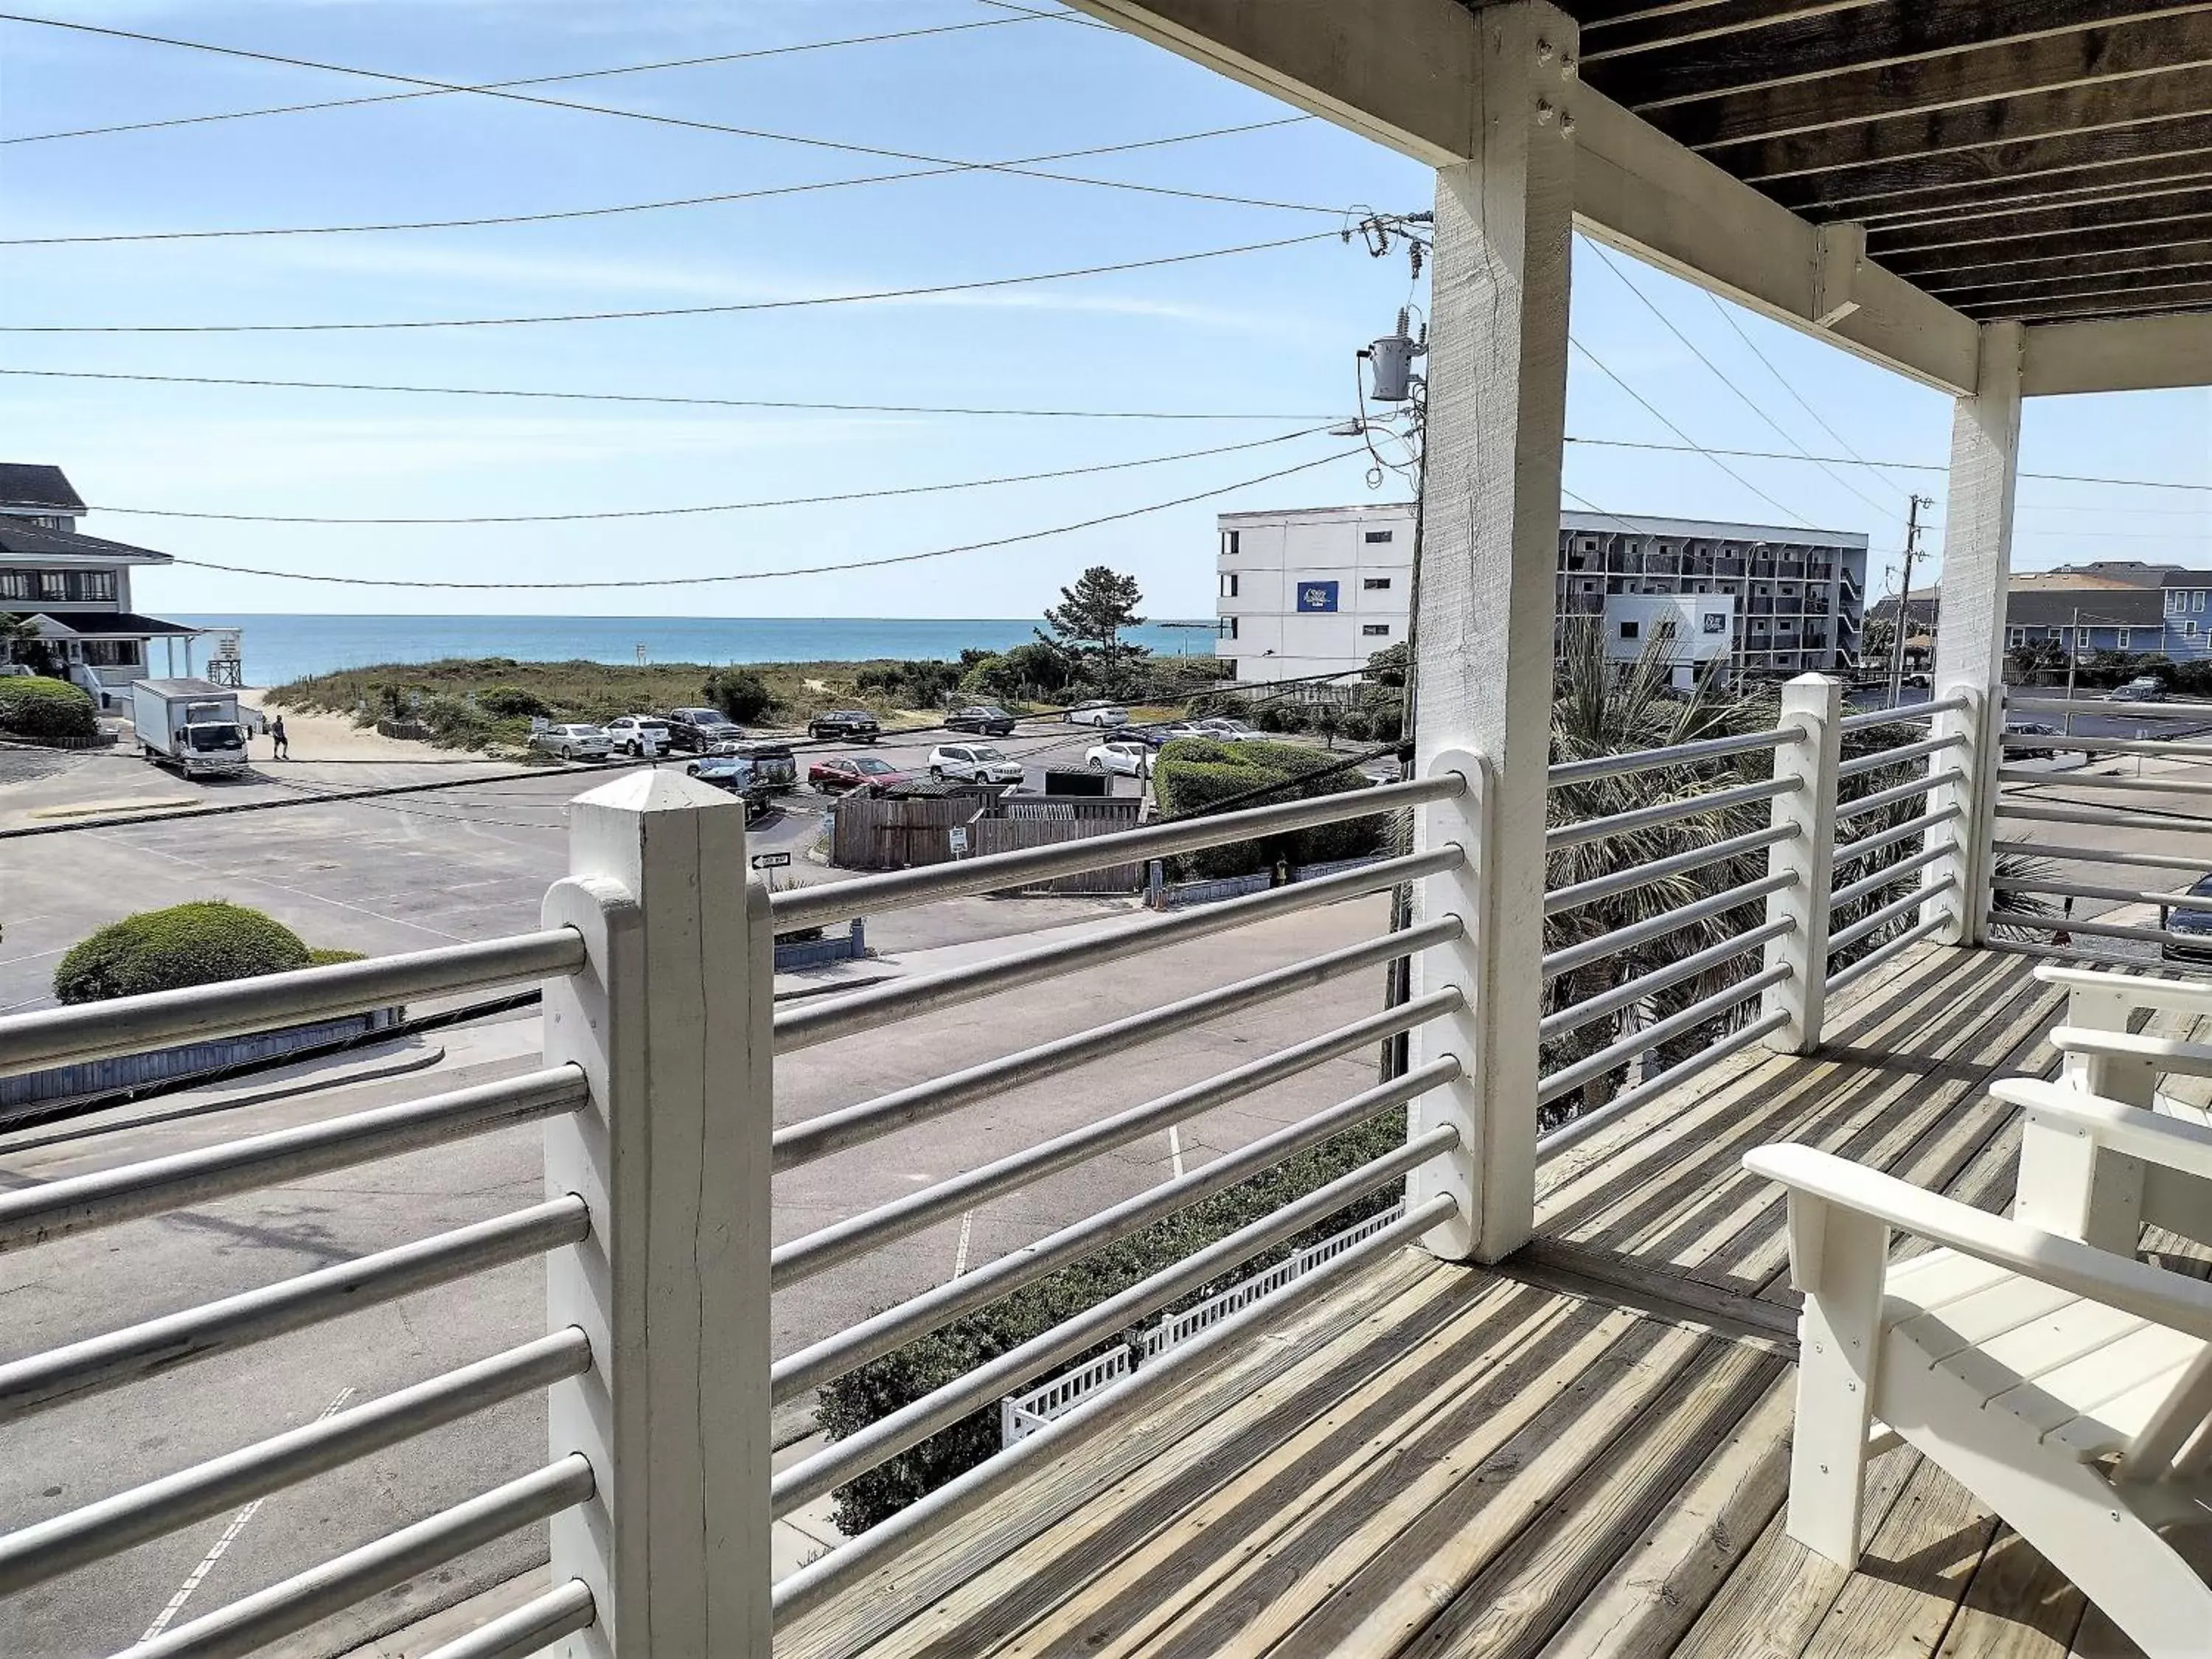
{"x": 278, "y": 648}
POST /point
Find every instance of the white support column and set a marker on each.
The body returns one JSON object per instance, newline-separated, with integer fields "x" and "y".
{"x": 1965, "y": 906}
{"x": 670, "y": 1022}
{"x": 1813, "y": 704}
{"x": 1498, "y": 378}
{"x": 1970, "y": 630}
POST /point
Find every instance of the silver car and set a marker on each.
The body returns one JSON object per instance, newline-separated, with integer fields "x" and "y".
{"x": 577, "y": 742}
{"x": 1098, "y": 714}
{"x": 979, "y": 763}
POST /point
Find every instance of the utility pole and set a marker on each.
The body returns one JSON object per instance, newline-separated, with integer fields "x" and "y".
{"x": 1904, "y": 600}
{"x": 2073, "y": 662}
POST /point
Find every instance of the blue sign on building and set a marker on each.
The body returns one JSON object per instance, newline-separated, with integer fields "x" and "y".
{"x": 1317, "y": 596}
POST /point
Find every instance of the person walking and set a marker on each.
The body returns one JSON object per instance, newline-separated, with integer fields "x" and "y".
{"x": 282, "y": 744}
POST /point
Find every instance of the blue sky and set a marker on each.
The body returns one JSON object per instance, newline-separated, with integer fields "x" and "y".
{"x": 1271, "y": 333}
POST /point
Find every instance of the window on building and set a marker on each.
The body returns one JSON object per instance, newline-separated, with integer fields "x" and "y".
{"x": 1375, "y": 630}
{"x": 53, "y": 585}
{"x": 2189, "y": 631}
{"x": 15, "y": 584}
{"x": 1229, "y": 584}
{"x": 96, "y": 585}
{"x": 1630, "y": 631}
{"x": 2015, "y": 636}
{"x": 1231, "y": 633}
{"x": 1229, "y": 542}
{"x": 1376, "y": 584}
{"x": 2197, "y": 600}
{"x": 112, "y": 653}
{"x": 2123, "y": 642}
{"x": 1375, "y": 536}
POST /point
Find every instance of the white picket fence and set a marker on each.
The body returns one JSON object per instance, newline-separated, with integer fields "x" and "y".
{"x": 1022, "y": 1414}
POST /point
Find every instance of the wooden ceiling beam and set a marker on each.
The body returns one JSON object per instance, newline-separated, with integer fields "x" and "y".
{"x": 2127, "y": 353}
{"x": 2062, "y": 219}
{"x": 1811, "y": 44}
{"x": 1931, "y": 143}
{"x": 2125, "y": 54}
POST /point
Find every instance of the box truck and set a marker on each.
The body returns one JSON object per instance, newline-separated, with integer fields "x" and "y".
{"x": 190, "y": 725}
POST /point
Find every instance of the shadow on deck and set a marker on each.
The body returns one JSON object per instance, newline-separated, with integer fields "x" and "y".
{"x": 1583, "y": 1453}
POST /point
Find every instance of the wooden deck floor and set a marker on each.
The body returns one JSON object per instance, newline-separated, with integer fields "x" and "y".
{"x": 1583, "y": 1454}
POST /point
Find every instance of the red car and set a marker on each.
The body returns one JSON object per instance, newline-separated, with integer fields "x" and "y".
{"x": 841, "y": 772}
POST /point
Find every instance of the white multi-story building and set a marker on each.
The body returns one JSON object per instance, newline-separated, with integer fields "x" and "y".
{"x": 1319, "y": 590}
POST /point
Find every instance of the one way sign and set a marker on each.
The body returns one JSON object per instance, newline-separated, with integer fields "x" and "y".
{"x": 770, "y": 860}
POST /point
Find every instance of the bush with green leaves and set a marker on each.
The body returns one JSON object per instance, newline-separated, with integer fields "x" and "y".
{"x": 741, "y": 694}
{"x": 201, "y": 943}
{"x": 883, "y": 1386}
{"x": 918, "y": 684}
{"x": 507, "y": 702}
{"x": 1193, "y": 775}
{"x": 46, "y": 711}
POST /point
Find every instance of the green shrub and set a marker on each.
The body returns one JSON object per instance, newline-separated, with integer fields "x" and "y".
{"x": 45, "y": 710}
{"x": 323, "y": 955}
{"x": 1193, "y": 775}
{"x": 883, "y": 1386}
{"x": 741, "y": 694}
{"x": 196, "y": 944}
{"x": 919, "y": 683}
{"x": 512, "y": 703}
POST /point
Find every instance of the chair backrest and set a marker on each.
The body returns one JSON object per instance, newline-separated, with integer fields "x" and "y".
{"x": 2177, "y": 1440}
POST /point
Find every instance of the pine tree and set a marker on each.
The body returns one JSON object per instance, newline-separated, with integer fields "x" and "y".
{"x": 1092, "y": 615}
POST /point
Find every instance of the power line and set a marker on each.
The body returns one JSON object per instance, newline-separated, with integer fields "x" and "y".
{"x": 494, "y": 90}
{"x": 528, "y": 81}
{"x": 673, "y": 401}
{"x": 1025, "y": 163}
{"x": 728, "y": 309}
{"x": 722, "y": 507}
{"x": 1687, "y": 448}
{"x": 1599, "y": 364}
{"x": 1743, "y": 396}
{"x": 763, "y": 576}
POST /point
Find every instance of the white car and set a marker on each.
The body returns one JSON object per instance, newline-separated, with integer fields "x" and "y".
{"x": 979, "y": 763}
{"x": 1135, "y": 759}
{"x": 646, "y": 736}
{"x": 572, "y": 742}
{"x": 1097, "y": 714}
{"x": 1229, "y": 731}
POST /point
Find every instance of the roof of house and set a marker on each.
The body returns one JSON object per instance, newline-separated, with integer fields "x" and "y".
{"x": 128, "y": 623}
{"x": 2132, "y": 573}
{"x": 31, "y": 483}
{"x": 30, "y": 541}
{"x": 2123, "y": 606}
{"x": 2069, "y": 580}
{"x": 2178, "y": 577}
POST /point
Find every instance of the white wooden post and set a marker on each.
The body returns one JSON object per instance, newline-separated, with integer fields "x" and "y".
{"x": 1970, "y": 630}
{"x": 1814, "y": 705}
{"x": 670, "y": 1023}
{"x": 1490, "y": 542}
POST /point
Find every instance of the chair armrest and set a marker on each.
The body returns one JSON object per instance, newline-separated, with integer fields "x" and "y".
{"x": 2167, "y": 995}
{"x": 2165, "y": 1299}
{"x": 2172, "y": 1143}
{"x": 2167, "y": 1055}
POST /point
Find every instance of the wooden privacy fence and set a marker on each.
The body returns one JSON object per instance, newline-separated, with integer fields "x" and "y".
{"x": 897, "y": 835}
{"x": 1006, "y": 835}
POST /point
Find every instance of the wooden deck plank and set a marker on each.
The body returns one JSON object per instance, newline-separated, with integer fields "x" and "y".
{"x": 1913, "y": 1575}
{"x": 1332, "y": 1518}
{"x": 1666, "y": 1577}
{"x": 1514, "y": 1607}
{"x": 2019, "y": 1606}
{"x": 896, "y": 1608}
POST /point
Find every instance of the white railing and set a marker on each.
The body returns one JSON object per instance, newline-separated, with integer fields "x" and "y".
{"x": 1021, "y": 1415}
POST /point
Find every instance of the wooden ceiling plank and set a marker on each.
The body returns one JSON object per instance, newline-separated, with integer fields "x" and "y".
{"x": 1917, "y": 268}
{"x": 1921, "y": 143}
{"x": 2084, "y": 268}
{"x": 2039, "y": 168}
{"x": 2168, "y": 176}
{"x": 2075, "y": 288}
{"x": 1603, "y": 43}
{"x": 1810, "y": 44}
{"x": 2087, "y": 222}
{"x": 2194, "y": 296}
{"x": 2123, "y": 54}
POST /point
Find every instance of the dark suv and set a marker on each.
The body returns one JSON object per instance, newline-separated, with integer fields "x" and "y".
{"x": 703, "y": 731}
{"x": 988, "y": 719}
{"x": 853, "y": 723}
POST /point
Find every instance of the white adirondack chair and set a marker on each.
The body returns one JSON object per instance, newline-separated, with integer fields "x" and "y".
{"x": 2067, "y": 1386}
{"x": 2104, "y": 1057}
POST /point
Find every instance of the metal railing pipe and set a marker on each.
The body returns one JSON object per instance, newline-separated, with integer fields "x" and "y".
{"x": 869, "y": 896}
{"x": 852, "y": 1126}
{"x": 2171, "y": 748}
{"x": 2199, "y": 711}
{"x": 1567, "y": 959}
{"x": 2102, "y": 817}
{"x": 1851, "y": 851}
{"x": 2093, "y": 890}
{"x": 1885, "y": 798}
{"x": 918, "y": 1315}
{"x": 38, "y": 1214}
{"x": 1635, "y": 990}
{"x": 888, "y": 1435}
{"x": 1569, "y": 1078}
{"x": 159, "y": 1345}
{"x": 1693, "y": 753}
{"x": 814, "y": 1584}
{"x": 1843, "y": 937}
{"x": 1665, "y": 812}
{"x": 129, "y": 1025}
{"x": 841, "y": 1241}
{"x": 530, "y": 1629}
{"x": 2097, "y": 929}
{"x": 1583, "y": 1128}
{"x": 247, "y": 1627}
{"x": 1909, "y": 711}
{"x": 1573, "y": 898}
{"x": 1903, "y": 755}
{"x": 870, "y": 1010}
{"x": 2118, "y": 855}
{"x": 30, "y": 1555}
{"x": 2094, "y": 781}
{"x": 1887, "y": 950}
{"x": 1889, "y": 875}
